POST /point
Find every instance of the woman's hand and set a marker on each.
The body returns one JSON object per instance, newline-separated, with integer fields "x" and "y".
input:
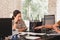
{"x": 15, "y": 23}
{"x": 48, "y": 26}
{"x": 15, "y": 20}
{"x": 22, "y": 29}
{"x": 39, "y": 27}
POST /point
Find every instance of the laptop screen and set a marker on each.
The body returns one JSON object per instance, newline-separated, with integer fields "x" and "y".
{"x": 49, "y": 19}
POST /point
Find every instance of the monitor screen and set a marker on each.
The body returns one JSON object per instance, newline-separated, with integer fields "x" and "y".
{"x": 5, "y": 26}
{"x": 33, "y": 25}
{"x": 49, "y": 19}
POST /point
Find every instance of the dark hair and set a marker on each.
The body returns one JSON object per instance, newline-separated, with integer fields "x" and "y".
{"x": 15, "y": 13}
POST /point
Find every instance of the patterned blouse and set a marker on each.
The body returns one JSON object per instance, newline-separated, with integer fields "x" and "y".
{"x": 20, "y": 24}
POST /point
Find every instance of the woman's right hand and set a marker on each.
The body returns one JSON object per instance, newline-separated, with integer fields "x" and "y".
{"x": 15, "y": 19}
{"x": 39, "y": 27}
{"x": 22, "y": 29}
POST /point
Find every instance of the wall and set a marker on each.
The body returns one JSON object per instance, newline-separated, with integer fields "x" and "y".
{"x": 8, "y": 6}
{"x": 52, "y": 7}
{"x": 58, "y": 11}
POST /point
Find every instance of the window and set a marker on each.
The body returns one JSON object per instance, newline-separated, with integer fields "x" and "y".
{"x": 34, "y": 9}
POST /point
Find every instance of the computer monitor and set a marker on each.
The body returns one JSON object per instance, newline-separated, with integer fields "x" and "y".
{"x": 33, "y": 25}
{"x": 5, "y": 27}
{"x": 49, "y": 19}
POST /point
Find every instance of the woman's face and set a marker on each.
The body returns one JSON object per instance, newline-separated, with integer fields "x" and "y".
{"x": 18, "y": 16}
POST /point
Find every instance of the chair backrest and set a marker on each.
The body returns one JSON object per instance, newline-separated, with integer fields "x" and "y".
{"x": 5, "y": 26}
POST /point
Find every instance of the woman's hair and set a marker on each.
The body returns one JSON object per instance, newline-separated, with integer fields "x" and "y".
{"x": 58, "y": 22}
{"x": 15, "y": 13}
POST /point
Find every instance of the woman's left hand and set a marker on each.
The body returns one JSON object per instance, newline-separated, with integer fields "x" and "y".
{"x": 22, "y": 29}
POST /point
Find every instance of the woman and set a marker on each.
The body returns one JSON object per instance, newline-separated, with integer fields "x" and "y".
{"x": 51, "y": 29}
{"x": 55, "y": 27}
{"x": 18, "y": 23}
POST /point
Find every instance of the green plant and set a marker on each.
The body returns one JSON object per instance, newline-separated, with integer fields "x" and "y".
{"x": 34, "y": 9}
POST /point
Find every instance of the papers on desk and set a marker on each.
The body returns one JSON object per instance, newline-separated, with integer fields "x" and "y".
{"x": 36, "y": 33}
{"x": 32, "y": 37}
{"x": 31, "y": 33}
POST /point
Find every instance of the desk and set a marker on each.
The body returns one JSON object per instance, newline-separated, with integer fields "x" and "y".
{"x": 54, "y": 34}
{"x": 45, "y": 36}
{"x": 32, "y": 36}
{"x": 32, "y": 33}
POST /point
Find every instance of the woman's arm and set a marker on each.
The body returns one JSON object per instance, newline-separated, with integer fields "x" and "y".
{"x": 43, "y": 26}
{"x": 24, "y": 26}
{"x": 14, "y": 23}
{"x": 14, "y": 26}
{"x": 39, "y": 27}
{"x": 56, "y": 28}
{"x": 48, "y": 26}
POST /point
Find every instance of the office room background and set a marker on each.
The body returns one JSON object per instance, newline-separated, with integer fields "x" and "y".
{"x": 31, "y": 9}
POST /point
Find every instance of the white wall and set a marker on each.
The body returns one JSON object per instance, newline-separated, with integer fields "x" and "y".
{"x": 8, "y": 6}
{"x": 58, "y": 11}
